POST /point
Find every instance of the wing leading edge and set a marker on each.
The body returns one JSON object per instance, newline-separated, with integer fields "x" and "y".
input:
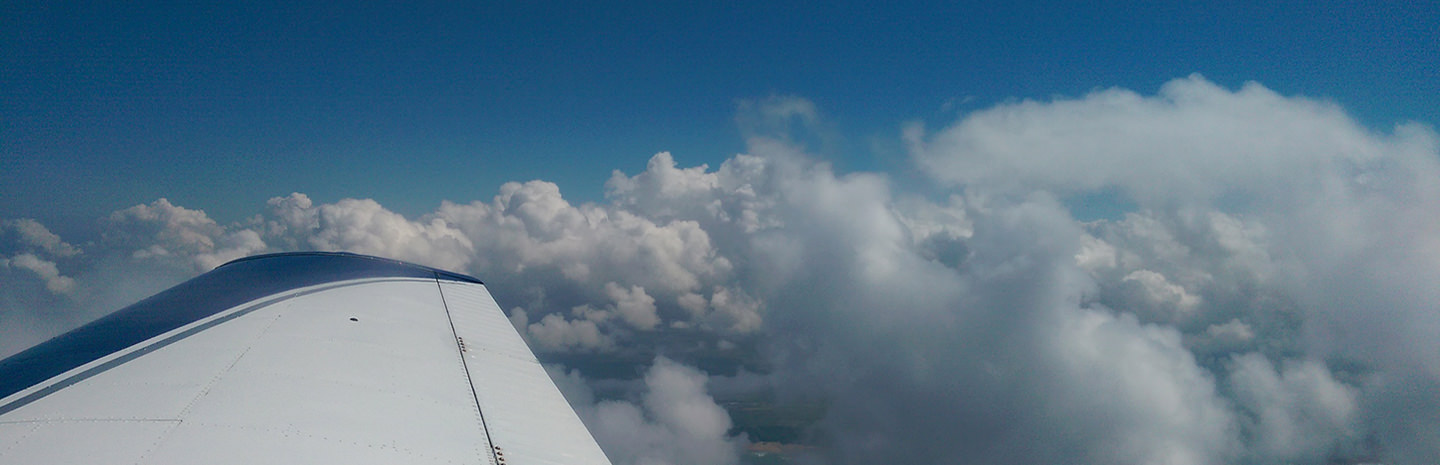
{"x": 312, "y": 357}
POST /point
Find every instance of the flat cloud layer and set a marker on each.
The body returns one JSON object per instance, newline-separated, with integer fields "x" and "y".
{"x": 1270, "y": 300}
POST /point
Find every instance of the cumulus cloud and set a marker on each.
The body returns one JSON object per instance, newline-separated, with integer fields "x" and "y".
{"x": 1001, "y": 351}
{"x": 531, "y": 226}
{"x": 162, "y": 230}
{"x": 1298, "y": 413}
{"x": 1195, "y": 141}
{"x": 1160, "y": 291}
{"x": 634, "y": 305}
{"x": 1279, "y": 214}
{"x": 47, "y": 271}
{"x": 674, "y": 422}
{"x": 363, "y": 226}
{"x": 36, "y": 251}
{"x": 32, "y": 234}
{"x": 556, "y": 333}
{"x": 1270, "y": 299}
{"x": 1230, "y": 337}
{"x": 735, "y": 311}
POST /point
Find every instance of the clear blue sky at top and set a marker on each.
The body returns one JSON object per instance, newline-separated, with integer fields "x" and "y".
{"x": 221, "y": 106}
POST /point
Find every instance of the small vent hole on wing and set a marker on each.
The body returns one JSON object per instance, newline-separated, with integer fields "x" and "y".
{"x": 354, "y": 319}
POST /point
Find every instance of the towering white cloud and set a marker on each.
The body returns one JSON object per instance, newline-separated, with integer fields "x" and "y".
{"x": 1296, "y": 229}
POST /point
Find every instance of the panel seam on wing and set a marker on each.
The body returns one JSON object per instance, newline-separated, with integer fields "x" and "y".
{"x": 19, "y": 438}
{"x": 164, "y": 435}
{"x": 490, "y": 447}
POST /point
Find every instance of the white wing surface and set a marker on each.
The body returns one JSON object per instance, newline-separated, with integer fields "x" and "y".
{"x": 293, "y": 358}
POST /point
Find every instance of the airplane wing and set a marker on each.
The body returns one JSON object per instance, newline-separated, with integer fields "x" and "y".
{"x": 293, "y": 358}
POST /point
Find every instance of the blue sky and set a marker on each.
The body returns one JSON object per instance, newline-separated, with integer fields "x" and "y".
{"x": 104, "y": 105}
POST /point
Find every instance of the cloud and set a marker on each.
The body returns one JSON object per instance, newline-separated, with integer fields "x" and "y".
{"x": 927, "y": 363}
{"x": 363, "y": 226}
{"x": 530, "y": 225}
{"x": 735, "y": 311}
{"x": 789, "y": 118}
{"x": 1279, "y": 214}
{"x": 47, "y": 271}
{"x": 164, "y": 231}
{"x": 1270, "y": 298}
{"x": 1230, "y": 337}
{"x": 674, "y": 422}
{"x": 1297, "y": 413}
{"x": 1194, "y": 141}
{"x": 1160, "y": 291}
{"x": 36, "y": 251}
{"x": 554, "y": 332}
{"x": 634, "y": 305}
{"x": 32, "y": 234}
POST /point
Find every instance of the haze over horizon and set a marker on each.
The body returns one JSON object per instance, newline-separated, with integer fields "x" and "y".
{"x": 1032, "y": 234}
